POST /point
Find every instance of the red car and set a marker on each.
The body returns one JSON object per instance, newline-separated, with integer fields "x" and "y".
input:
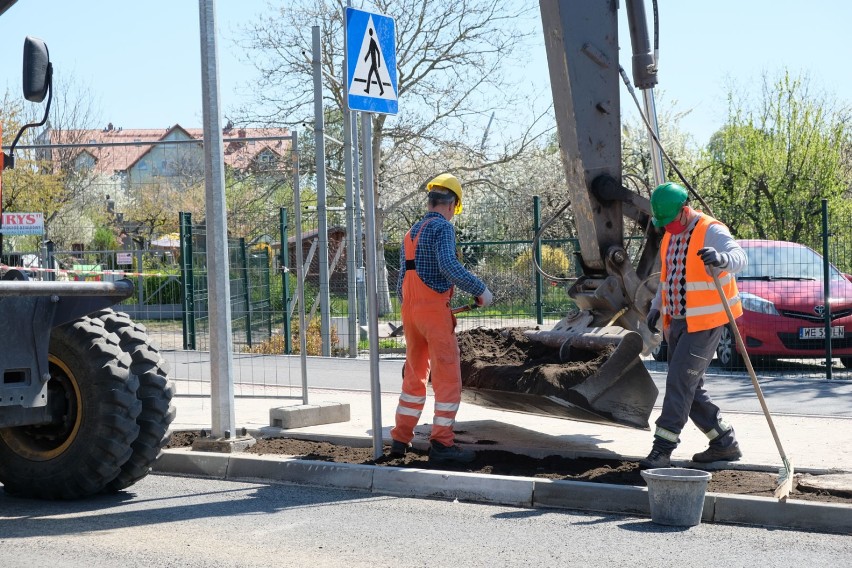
{"x": 784, "y": 306}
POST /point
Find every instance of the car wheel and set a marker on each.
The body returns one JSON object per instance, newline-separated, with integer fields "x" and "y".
{"x": 661, "y": 351}
{"x": 847, "y": 362}
{"x": 726, "y": 351}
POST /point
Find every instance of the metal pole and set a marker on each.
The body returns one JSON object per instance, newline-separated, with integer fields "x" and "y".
{"x": 319, "y": 141}
{"x": 187, "y": 276}
{"x": 359, "y": 227}
{"x": 221, "y": 339}
{"x": 826, "y": 286}
{"x": 537, "y": 252}
{"x": 244, "y": 271}
{"x": 372, "y": 293}
{"x": 300, "y": 271}
{"x": 285, "y": 282}
{"x": 351, "y": 266}
{"x": 140, "y": 283}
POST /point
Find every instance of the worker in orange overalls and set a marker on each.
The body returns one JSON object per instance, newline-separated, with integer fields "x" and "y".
{"x": 693, "y": 318}
{"x": 429, "y": 271}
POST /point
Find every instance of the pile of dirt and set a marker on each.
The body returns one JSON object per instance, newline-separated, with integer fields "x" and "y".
{"x": 507, "y": 360}
{"x": 733, "y": 482}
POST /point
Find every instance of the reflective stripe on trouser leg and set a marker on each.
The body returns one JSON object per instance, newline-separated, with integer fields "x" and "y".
{"x": 689, "y": 356}
{"x": 720, "y": 429}
{"x": 667, "y": 435}
{"x": 721, "y": 435}
{"x": 446, "y": 374}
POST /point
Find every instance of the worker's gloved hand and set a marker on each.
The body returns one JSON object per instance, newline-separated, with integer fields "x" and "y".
{"x": 652, "y": 319}
{"x": 485, "y": 298}
{"x": 712, "y": 257}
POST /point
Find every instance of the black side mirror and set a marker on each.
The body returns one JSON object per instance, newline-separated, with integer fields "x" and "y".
{"x": 37, "y": 69}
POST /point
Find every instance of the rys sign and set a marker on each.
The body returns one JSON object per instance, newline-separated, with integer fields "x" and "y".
{"x": 23, "y": 224}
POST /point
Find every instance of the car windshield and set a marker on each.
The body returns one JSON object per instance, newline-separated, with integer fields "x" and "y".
{"x": 784, "y": 262}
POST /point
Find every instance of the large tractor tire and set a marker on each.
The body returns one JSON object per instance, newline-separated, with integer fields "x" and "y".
{"x": 155, "y": 393}
{"x": 94, "y": 392}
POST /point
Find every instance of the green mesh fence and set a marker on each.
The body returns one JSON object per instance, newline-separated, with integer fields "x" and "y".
{"x": 495, "y": 243}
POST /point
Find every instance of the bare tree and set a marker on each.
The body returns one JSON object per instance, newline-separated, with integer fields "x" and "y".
{"x": 452, "y": 57}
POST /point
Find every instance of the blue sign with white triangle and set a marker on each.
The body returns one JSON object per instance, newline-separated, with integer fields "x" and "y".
{"x": 371, "y": 79}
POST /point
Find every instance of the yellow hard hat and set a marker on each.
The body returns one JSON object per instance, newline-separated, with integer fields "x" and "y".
{"x": 448, "y": 181}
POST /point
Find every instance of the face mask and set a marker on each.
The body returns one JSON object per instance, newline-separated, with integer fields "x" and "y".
{"x": 676, "y": 226}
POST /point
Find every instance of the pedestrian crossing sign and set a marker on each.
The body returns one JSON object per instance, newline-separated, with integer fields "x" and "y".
{"x": 371, "y": 79}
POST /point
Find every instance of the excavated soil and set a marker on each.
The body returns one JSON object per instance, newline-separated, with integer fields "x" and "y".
{"x": 505, "y": 359}
{"x": 734, "y": 482}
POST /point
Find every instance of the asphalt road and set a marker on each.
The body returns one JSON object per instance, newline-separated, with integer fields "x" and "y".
{"x": 191, "y": 523}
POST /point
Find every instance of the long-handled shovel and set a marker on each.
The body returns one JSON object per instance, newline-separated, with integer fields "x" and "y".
{"x": 785, "y": 474}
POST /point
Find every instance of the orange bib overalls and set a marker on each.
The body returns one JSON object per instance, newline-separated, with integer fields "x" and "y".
{"x": 431, "y": 344}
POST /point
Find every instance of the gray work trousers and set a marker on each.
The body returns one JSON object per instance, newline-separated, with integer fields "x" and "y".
{"x": 689, "y": 355}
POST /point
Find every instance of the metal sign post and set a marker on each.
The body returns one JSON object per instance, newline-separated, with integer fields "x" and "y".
{"x": 371, "y": 87}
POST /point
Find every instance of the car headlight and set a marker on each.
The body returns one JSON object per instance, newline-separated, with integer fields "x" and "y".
{"x": 757, "y": 304}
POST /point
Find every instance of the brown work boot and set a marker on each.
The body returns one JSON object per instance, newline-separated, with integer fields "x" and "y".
{"x": 657, "y": 458}
{"x": 714, "y": 454}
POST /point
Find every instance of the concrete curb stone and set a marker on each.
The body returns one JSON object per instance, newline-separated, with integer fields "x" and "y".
{"x": 464, "y": 486}
{"x": 504, "y": 490}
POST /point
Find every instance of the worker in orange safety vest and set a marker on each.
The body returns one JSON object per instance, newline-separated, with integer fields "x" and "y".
{"x": 693, "y": 317}
{"x": 429, "y": 272}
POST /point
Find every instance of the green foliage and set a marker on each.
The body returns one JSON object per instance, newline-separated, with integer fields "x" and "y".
{"x": 770, "y": 166}
{"x": 104, "y": 239}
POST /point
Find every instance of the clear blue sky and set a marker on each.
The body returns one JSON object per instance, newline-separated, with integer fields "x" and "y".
{"x": 141, "y": 59}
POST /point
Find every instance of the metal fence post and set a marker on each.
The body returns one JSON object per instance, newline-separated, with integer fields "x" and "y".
{"x": 246, "y": 292}
{"x": 285, "y": 281}
{"x": 267, "y": 293}
{"x": 826, "y": 284}
{"x": 140, "y": 283}
{"x": 322, "y": 215}
{"x": 50, "y": 261}
{"x": 537, "y": 262}
{"x": 188, "y": 295}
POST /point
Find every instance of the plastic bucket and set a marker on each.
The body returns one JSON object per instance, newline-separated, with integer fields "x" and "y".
{"x": 676, "y": 495}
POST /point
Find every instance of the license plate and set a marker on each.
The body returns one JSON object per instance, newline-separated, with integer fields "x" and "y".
{"x": 837, "y": 332}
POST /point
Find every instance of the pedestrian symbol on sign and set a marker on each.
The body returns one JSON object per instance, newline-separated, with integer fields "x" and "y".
{"x": 375, "y": 55}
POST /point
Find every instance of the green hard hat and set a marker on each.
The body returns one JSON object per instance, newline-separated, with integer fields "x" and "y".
{"x": 666, "y": 202}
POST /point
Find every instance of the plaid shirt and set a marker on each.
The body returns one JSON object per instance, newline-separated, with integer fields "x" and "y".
{"x": 435, "y": 258}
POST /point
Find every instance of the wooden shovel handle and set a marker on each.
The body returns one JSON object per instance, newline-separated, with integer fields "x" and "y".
{"x": 736, "y": 332}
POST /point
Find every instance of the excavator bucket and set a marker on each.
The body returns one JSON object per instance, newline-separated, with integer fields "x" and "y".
{"x": 595, "y": 375}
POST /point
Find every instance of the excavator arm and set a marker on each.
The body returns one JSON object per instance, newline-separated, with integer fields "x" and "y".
{"x": 581, "y": 39}
{"x": 615, "y": 291}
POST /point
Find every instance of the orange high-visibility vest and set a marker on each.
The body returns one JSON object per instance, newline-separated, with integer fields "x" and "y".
{"x": 704, "y": 309}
